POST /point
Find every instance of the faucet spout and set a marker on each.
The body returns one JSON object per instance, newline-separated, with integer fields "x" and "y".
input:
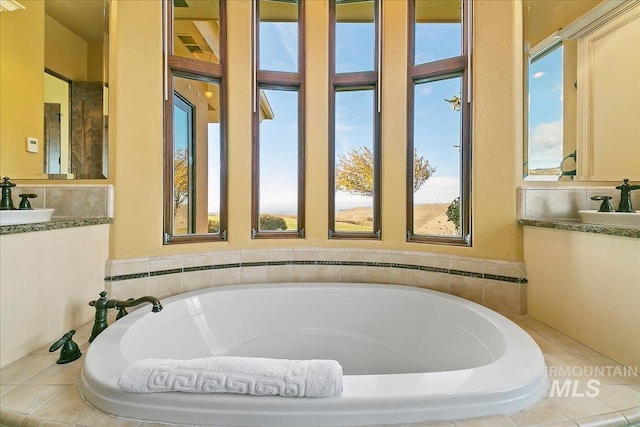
{"x": 103, "y": 304}
{"x": 132, "y": 303}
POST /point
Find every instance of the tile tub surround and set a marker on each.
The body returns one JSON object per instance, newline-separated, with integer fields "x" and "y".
{"x": 499, "y": 285}
{"x": 35, "y": 391}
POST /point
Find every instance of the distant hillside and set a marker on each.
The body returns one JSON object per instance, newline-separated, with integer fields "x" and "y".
{"x": 428, "y": 219}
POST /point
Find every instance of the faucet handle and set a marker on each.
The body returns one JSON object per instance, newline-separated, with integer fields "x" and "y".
{"x": 100, "y": 302}
{"x": 24, "y": 203}
{"x": 6, "y": 183}
{"x": 70, "y": 350}
{"x": 122, "y": 311}
{"x": 606, "y": 205}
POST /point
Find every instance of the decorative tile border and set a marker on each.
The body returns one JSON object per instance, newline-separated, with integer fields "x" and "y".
{"x": 521, "y": 280}
{"x": 500, "y": 285}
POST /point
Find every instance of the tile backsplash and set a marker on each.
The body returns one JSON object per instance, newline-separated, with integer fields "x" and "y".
{"x": 86, "y": 201}
{"x": 565, "y": 202}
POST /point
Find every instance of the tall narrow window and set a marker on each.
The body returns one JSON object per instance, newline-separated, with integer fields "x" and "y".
{"x": 278, "y": 120}
{"x": 195, "y": 151}
{"x": 438, "y": 148}
{"x": 354, "y": 157}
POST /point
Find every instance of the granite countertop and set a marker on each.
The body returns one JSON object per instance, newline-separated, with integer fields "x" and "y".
{"x": 577, "y": 225}
{"x": 54, "y": 224}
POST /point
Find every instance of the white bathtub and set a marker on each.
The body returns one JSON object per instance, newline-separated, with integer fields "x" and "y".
{"x": 409, "y": 355}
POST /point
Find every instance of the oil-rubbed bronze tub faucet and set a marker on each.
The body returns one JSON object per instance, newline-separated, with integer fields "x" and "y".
{"x": 103, "y": 304}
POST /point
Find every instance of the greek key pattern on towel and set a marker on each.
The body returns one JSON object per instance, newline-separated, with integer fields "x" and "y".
{"x": 169, "y": 377}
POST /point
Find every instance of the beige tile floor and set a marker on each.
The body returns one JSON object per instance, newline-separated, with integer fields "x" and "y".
{"x": 35, "y": 391}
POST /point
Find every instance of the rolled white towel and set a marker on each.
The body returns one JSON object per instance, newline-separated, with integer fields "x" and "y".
{"x": 241, "y": 375}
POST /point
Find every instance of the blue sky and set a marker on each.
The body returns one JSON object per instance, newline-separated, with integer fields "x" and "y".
{"x": 545, "y": 111}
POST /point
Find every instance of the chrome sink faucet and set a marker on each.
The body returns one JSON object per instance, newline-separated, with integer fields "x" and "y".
{"x": 103, "y": 304}
{"x": 625, "y": 195}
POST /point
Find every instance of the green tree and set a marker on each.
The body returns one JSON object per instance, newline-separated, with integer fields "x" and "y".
{"x": 453, "y": 213}
{"x": 272, "y": 222}
{"x": 455, "y": 102}
{"x": 354, "y": 171}
{"x": 180, "y": 179}
{"x": 213, "y": 226}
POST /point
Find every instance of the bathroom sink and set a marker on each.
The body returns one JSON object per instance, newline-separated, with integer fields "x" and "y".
{"x": 11, "y": 217}
{"x": 621, "y": 219}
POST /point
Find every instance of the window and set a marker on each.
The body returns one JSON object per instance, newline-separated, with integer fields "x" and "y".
{"x": 195, "y": 152}
{"x": 354, "y": 146}
{"x": 278, "y": 120}
{"x": 438, "y": 146}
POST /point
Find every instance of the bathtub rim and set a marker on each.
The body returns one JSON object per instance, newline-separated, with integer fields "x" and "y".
{"x": 363, "y": 393}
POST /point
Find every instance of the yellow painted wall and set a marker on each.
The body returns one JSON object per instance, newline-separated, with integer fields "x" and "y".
{"x": 546, "y": 17}
{"x": 95, "y": 53}
{"x": 65, "y": 52}
{"x": 21, "y": 90}
{"x": 56, "y": 91}
{"x": 136, "y": 128}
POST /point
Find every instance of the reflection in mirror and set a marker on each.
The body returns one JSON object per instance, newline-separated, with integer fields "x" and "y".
{"x": 581, "y": 114}
{"x": 196, "y": 27}
{"x": 196, "y": 157}
{"x": 54, "y": 90}
{"x": 76, "y": 48}
{"x": 56, "y": 123}
{"x": 544, "y": 158}
{"x": 194, "y": 198}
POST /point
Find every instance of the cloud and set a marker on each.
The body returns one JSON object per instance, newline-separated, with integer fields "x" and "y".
{"x": 438, "y": 189}
{"x": 545, "y": 145}
{"x": 289, "y": 38}
{"x": 538, "y": 74}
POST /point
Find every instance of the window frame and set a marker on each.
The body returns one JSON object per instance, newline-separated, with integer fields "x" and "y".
{"x": 356, "y": 80}
{"x": 457, "y": 66}
{"x": 276, "y": 80}
{"x": 191, "y": 68}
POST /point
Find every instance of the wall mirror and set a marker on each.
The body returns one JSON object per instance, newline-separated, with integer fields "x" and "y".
{"x": 582, "y": 94}
{"x": 71, "y": 124}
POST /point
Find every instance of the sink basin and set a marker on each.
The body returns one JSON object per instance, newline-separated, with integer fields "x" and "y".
{"x": 25, "y": 216}
{"x": 621, "y": 219}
